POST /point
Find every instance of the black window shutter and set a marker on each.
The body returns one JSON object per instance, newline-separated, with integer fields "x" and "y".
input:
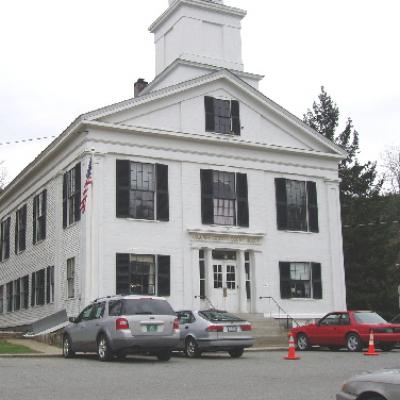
{"x": 16, "y": 232}
{"x": 35, "y": 203}
{"x": 242, "y": 200}
{"x": 8, "y": 223}
{"x": 33, "y": 289}
{"x": 284, "y": 269}
{"x": 163, "y": 276}
{"x": 235, "y": 117}
{"x": 44, "y": 213}
{"x": 207, "y": 205}
{"x": 162, "y": 192}
{"x": 65, "y": 203}
{"x": 123, "y": 273}
{"x": 209, "y": 111}
{"x": 1, "y": 241}
{"x": 77, "y": 192}
{"x": 22, "y": 241}
{"x": 312, "y": 206}
{"x": 316, "y": 280}
{"x": 281, "y": 203}
{"x": 122, "y": 190}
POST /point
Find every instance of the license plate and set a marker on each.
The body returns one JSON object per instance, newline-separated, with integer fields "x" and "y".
{"x": 151, "y": 328}
{"x": 232, "y": 329}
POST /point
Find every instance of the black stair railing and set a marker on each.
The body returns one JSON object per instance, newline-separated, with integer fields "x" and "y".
{"x": 284, "y": 312}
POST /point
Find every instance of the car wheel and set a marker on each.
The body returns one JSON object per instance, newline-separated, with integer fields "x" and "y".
{"x": 303, "y": 343}
{"x": 236, "y": 353}
{"x": 67, "y": 347}
{"x": 103, "y": 349}
{"x": 164, "y": 355}
{"x": 191, "y": 348}
{"x": 353, "y": 342}
{"x": 386, "y": 347}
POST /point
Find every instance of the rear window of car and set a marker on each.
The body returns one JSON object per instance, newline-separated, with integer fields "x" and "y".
{"x": 146, "y": 307}
{"x": 215, "y": 315}
{"x": 368, "y": 318}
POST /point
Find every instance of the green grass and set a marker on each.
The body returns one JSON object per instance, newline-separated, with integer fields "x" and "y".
{"x": 10, "y": 348}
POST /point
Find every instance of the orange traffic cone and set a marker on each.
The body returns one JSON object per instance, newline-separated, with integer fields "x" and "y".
{"x": 371, "y": 347}
{"x": 291, "y": 351}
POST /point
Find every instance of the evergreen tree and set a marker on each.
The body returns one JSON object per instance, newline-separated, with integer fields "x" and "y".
{"x": 370, "y": 241}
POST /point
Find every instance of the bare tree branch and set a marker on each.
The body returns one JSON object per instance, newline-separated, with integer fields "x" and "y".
{"x": 391, "y": 162}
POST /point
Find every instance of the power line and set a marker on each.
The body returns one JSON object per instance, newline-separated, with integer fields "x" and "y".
{"x": 30, "y": 140}
{"x": 369, "y": 224}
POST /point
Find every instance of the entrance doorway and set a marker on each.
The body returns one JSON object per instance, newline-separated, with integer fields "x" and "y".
{"x": 225, "y": 294}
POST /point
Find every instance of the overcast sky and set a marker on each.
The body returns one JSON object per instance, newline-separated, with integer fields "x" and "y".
{"x": 62, "y": 58}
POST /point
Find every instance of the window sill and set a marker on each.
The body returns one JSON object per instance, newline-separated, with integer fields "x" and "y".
{"x": 303, "y": 232}
{"x": 20, "y": 252}
{"x": 301, "y": 299}
{"x": 141, "y": 220}
{"x": 39, "y": 241}
{"x": 233, "y": 134}
{"x": 71, "y": 225}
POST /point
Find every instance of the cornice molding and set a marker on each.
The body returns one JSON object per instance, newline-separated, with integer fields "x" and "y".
{"x": 221, "y": 8}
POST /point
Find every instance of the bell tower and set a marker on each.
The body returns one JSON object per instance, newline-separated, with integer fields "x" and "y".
{"x": 202, "y": 31}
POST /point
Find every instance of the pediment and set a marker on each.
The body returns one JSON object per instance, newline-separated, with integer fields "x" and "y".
{"x": 180, "y": 109}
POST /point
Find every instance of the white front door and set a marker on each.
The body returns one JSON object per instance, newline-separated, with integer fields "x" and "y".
{"x": 225, "y": 293}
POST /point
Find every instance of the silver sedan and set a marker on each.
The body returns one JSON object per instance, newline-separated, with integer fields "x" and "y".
{"x": 213, "y": 330}
{"x": 379, "y": 385}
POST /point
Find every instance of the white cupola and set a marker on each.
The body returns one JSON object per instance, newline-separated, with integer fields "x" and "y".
{"x": 201, "y": 31}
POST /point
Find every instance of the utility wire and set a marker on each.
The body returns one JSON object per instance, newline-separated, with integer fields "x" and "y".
{"x": 30, "y": 140}
{"x": 369, "y": 224}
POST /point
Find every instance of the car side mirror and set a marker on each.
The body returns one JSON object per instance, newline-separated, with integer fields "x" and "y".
{"x": 73, "y": 320}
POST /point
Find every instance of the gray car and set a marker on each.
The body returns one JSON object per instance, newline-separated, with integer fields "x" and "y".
{"x": 213, "y": 330}
{"x": 379, "y": 385}
{"x": 120, "y": 325}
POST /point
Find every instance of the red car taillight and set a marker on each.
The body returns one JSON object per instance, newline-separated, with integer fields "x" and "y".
{"x": 215, "y": 328}
{"x": 176, "y": 325}
{"x": 121, "y": 323}
{"x": 246, "y": 327}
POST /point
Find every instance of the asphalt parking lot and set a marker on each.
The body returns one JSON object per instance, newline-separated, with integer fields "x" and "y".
{"x": 258, "y": 375}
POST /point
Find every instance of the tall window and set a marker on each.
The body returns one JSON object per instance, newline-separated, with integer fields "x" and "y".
{"x": 202, "y": 275}
{"x": 300, "y": 280}
{"x": 230, "y": 277}
{"x": 297, "y": 208}
{"x": 9, "y": 296}
{"x": 5, "y": 239}
{"x": 72, "y": 195}
{"x": 1, "y": 299}
{"x": 224, "y": 198}
{"x": 39, "y": 216}
{"x": 143, "y": 274}
{"x": 20, "y": 230}
{"x": 222, "y": 116}
{"x": 142, "y": 191}
{"x": 38, "y": 287}
{"x": 49, "y": 284}
{"x": 25, "y": 292}
{"x": 71, "y": 278}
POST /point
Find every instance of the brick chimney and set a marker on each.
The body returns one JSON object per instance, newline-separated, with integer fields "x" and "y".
{"x": 140, "y": 84}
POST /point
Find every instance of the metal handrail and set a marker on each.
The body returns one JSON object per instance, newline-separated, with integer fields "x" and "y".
{"x": 280, "y": 308}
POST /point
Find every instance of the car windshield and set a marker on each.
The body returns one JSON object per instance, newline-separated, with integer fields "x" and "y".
{"x": 215, "y": 315}
{"x": 146, "y": 307}
{"x": 368, "y": 318}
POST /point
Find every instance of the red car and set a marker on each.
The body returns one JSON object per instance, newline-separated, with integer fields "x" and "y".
{"x": 349, "y": 329}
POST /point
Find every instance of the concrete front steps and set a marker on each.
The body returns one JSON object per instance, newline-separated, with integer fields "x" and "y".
{"x": 268, "y": 332}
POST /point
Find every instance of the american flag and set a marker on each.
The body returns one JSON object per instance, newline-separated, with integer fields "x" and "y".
{"x": 88, "y": 182}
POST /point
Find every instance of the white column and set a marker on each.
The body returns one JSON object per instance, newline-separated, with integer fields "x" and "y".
{"x": 242, "y": 282}
{"x": 258, "y": 281}
{"x": 195, "y": 294}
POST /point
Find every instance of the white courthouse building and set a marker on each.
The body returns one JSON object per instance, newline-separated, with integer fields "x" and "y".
{"x": 204, "y": 191}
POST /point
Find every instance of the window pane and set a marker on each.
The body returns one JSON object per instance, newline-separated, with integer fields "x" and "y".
{"x": 296, "y": 205}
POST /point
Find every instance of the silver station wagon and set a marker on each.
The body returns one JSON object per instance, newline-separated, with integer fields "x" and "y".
{"x": 121, "y": 325}
{"x": 213, "y": 330}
